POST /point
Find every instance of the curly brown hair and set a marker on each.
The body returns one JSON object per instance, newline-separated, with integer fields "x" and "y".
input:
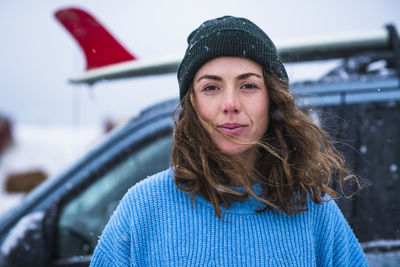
{"x": 296, "y": 158}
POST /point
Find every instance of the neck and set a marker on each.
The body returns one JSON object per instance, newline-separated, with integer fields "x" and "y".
{"x": 248, "y": 160}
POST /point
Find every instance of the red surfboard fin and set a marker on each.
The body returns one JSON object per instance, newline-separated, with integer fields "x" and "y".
{"x": 99, "y": 46}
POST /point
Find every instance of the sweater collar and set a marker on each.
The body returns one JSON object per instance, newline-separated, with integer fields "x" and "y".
{"x": 239, "y": 207}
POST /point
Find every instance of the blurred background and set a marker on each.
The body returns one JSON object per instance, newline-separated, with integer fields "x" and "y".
{"x": 47, "y": 122}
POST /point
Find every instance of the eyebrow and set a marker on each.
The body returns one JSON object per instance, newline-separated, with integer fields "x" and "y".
{"x": 240, "y": 77}
{"x": 247, "y": 75}
{"x": 211, "y": 77}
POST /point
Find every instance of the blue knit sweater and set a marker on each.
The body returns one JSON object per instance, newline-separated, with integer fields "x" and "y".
{"x": 155, "y": 225}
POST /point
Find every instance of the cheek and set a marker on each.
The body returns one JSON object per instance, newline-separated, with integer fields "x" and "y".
{"x": 202, "y": 109}
{"x": 205, "y": 114}
{"x": 206, "y": 109}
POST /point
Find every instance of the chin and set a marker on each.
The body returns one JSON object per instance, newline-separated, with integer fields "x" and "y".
{"x": 233, "y": 149}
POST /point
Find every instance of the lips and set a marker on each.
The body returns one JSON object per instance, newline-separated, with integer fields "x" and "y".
{"x": 232, "y": 128}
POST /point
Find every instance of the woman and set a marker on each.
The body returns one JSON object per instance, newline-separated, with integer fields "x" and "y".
{"x": 251, "y": 175}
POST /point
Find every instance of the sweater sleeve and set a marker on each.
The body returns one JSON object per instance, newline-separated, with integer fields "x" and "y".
{"x": 114, "y": 246}
{"x": 344, "y": 248}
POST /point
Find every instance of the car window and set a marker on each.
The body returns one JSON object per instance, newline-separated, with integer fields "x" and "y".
{"x": 83, "y": 218}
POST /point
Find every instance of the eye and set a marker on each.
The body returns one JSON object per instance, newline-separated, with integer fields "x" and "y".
{"x": 209, "y": 88}
{"x": 249, "y": 86}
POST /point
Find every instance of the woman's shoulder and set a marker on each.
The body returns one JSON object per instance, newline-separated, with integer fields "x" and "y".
{"x": 334, "y": 239}
{"x": 156, "y": 189}
{"x": 159, "y": 181}
{"x": 327, "y": 206}
{"x": 326, "y": 216}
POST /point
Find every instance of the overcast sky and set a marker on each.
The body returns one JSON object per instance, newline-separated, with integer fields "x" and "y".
{"x": 37, "y": 56}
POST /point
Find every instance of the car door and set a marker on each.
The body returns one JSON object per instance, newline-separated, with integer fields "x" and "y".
{"x": 82, "y": 217}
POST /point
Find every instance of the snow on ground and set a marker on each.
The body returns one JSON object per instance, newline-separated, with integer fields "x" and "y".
{"x": 49, "y": 148}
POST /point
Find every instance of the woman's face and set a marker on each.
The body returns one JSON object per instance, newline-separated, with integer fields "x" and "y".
{"x": 230, "y": 93}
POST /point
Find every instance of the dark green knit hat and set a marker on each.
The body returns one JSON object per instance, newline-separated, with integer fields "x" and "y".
{"x": 227, "y": 36}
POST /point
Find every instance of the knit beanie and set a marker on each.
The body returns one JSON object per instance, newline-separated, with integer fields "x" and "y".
{"x": 227, "y": 36}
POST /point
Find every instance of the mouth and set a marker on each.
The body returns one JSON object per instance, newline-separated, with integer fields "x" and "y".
{"x": 232, "y": 128}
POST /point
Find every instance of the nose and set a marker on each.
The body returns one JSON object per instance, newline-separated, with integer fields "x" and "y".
{"x": 231, "y": 102}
